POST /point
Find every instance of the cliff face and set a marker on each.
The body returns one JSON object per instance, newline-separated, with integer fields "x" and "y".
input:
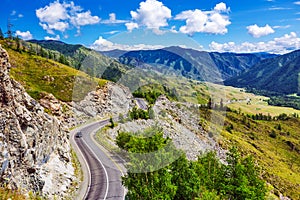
{"x": 30, "y": 140}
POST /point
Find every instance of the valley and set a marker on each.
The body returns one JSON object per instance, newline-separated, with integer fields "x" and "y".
{"x": 188, "y": 103}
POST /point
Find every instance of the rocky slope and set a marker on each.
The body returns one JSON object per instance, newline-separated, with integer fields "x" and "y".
{"x": 31, "y": 141}
{"x": 180, "y": 122}
{"x": 109, "y": 100}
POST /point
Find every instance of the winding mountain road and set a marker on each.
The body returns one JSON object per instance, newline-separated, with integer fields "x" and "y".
{"x": 141, "y": 103}
{"x": 102, "y": 170}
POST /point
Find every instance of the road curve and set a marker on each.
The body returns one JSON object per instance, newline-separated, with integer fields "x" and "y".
{"x": 141, "y": 103}
{"x": 102, "y": 173}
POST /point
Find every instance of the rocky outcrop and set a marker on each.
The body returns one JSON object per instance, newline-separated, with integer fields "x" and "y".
{"x": 109, "y": 100}
{"x": 30, "y": 139}
{"x": 180, "y": 122}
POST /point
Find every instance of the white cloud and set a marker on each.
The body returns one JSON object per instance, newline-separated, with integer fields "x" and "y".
{"x": 205, "y": 21}
{"x": 102, "y": 44}
{"x": 221, "y": 7}
{"x": 281, "y": 27}
{"x": 297, "y": 3}
{"x": 281, "y": 45}
{"x": 112, "y": 32}
{"x": 279, "y": 8}
{"x": 24, "y": 35}
{"x": 152, "y": 14}
{"x": 52, "y": 13}
{"x": 113, "y": 20}
{"x": 131, "y": 25}
{"x": 61, "y": 16}
{"x": 57, "y": 37}
{"x": 85, "y": 18}
{"x": 20, "y": 15}
{"x": 257, "y": 31}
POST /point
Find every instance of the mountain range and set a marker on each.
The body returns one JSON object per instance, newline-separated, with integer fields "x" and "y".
{"x": 279, "y": 75}
{"x": 261, "y": 71}
{"x": 190, "y": 63}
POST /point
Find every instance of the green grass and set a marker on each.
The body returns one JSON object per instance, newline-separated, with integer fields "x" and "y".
{"x": 78, "y": 174}
{"x": 41, "y": 75}
{"x": 6, "y": 194}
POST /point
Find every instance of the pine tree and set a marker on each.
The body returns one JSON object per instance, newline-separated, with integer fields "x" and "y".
{"x": 1, "y": 34}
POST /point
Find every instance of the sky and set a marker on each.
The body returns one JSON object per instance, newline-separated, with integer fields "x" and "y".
{"x": 217, "y": 25}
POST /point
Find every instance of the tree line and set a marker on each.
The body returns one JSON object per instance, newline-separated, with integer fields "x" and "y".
{"x": 208, "y": 178}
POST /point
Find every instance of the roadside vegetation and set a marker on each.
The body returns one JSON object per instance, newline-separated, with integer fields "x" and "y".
{"x": 206, "y": 178}
{"x": 6, "y": 193}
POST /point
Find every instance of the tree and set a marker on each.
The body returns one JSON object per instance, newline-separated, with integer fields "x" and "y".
{"x": 186, "y": 179}
{"x": 147, "y": 175}
{"x": 151, "y": 113}
{"x": 111, "y": 121}
{"x": 207, "y": 178}
{"x": 1, "y": 34}
{"x": 209, "y": 104}
{"x": 221, "y": 104}
{"x": 17, "y": 39}
{"x": 9, "y": 30}
{"x": 242, "y": 179}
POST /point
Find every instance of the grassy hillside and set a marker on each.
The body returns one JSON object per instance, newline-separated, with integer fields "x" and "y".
{"x": 84, "y": 59}
{"x": 274, "y": 144}
{"x": 38, "y": 75}
{"x": 187, "y": 90}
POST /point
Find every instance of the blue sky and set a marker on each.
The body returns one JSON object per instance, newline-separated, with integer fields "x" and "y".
{"x": 237, "y": 26}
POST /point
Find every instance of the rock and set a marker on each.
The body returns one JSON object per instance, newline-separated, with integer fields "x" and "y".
{"x": 110, "y": 100}
{"x": 28, "y": 137}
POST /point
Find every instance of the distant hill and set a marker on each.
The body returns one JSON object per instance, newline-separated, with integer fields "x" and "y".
{"x": 85, "y": 59}
{"x": 279, "y": 75}
{"x": 190, "y": 63}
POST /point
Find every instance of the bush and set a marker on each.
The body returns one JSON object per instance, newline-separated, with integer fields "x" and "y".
{"x": 273, "y": 134}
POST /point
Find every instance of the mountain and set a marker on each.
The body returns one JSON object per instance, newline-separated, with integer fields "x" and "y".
{"x": 199, "y": 65}
{"x": 84, "y": 59}
{"x": 279, "y": 75}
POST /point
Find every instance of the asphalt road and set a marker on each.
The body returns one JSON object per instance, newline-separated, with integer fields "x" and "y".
{"x": 141, "y": 103}
{"x": 102, "y": 170}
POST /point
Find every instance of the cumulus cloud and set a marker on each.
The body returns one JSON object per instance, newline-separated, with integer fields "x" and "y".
{"x": 61, "y": 16}
{"x": 113, "y": 20}
{"x": 257, "y": 31}
{"x": 151, "y": 14}
{"x": 131, "y": 25}
{"x": 214, "y": 21}
{"x": 280, "y": 45}
{"x": 57, "y": 37}
{"x": 24, "y": 35}
{"x": 221, "y": 7}
{"x": 102, "y": 44}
